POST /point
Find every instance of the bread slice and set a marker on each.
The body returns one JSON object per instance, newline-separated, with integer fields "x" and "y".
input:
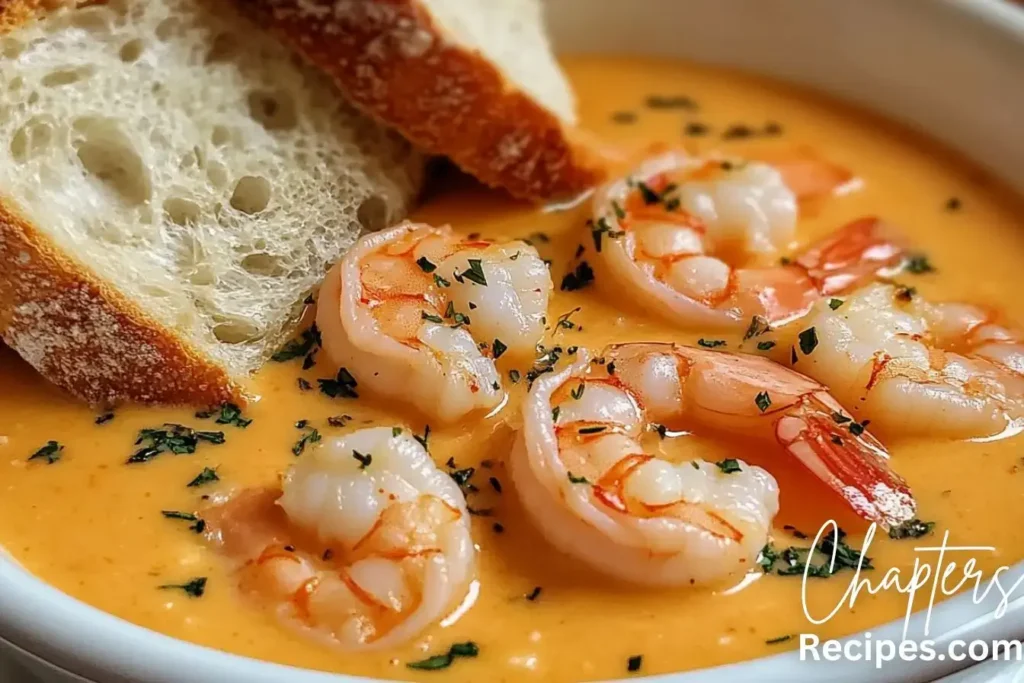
{"x": 474, "y": 80}
{"x": 173, "y": 182}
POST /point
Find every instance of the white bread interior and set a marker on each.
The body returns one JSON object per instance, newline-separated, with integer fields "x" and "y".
{"x": 188, "y": 160}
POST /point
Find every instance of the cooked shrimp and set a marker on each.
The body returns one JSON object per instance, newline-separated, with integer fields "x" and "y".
{"x": 418, "y": 314}
{"x": 910, "y": 366}
{"x": 594, "y": 492}
{"x": 673, "y": 235}
{"x": 365, "y": 545}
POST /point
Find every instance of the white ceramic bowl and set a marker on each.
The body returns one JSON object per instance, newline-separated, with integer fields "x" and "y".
{"x": 952, "y": 68}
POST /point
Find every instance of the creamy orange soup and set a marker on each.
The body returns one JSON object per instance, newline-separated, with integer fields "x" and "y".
{"x": 92, "y": 526}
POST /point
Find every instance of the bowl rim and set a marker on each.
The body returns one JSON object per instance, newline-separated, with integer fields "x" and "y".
{"x": 83, "y": 640}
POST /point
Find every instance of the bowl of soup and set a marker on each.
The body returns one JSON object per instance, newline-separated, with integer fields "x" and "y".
{"x": 889, "y": 123}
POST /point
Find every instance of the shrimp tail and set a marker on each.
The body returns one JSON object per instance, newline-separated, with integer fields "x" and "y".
{"x": 851, "y": 256}
{"x": 848, "y": 459}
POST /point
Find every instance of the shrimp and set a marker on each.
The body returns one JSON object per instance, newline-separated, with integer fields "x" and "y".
{"x": 429, "y": 312}
{"x": 671, "y": 236}
{"x": 594, "y": 492}
{"x": 915, "y": 367}
{"x": 365, "y": 544}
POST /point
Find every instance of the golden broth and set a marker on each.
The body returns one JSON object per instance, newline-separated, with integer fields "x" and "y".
{"x": 92, "y": 525}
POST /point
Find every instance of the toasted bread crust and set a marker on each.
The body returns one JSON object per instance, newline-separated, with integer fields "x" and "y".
{"x": 394, "y": 62}
{"x": 87, "y": 338}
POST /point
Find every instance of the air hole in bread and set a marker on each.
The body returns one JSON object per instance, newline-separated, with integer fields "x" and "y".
{"x": 251, "y": 195}
{"x": 109, "y": 157}
{"x": 217, "y": 174}
{"x": 10, "y": 48}
{"x": 235, "y": 331}
{"x": 182, "y": 211}
{"x": 132, "y": 50}
{"x": 263, "y": 264}
{"x": 167, "y": 28}
{"x": 220, "y": 136}
{"x": 372, "y": 213}
{"x": 276, "y": 111}
{"x": 224, "y": 47}
{"x": 95, "y": 18}
{"x": 33, "y": 98}
{"x": 60, "y": 77}
{"x": 31, "y": 139}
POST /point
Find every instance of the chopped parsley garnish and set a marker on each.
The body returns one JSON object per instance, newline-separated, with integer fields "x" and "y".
{"x": 546, "y": 360}
{"x": 835, "y": 303}
{"x": 763, "y": 401}
{"x": 199, "y": 526}
{"x": 758, "y": 326}
{"x": 440, "y": 281}
{"x": 339, "y": 420}
{"x": 577, "y": 393}
{"x": 50, "y": 452}
{"x": 554, "y": 413}
{"x": 670, "y": 102}
{"x": 913, "y": 528}
{"x": 343, "y": 385}
{"x": 230, "y": 414}
{"x": 601, "y": 227}
{"x": 905, "y": 293}
{"x": 765, "y": 346}
{"x": 564, "y": 320}
{"x": 592, "y": 430}
{"x": 579, "y": 278}
{"x": 729, "y": 466}
{"x": 310, "y": 437}
{"x": 499, "y": 348}
{"x": 808, "y": 340}
{"x": 307, "y": 342}
{"x": 396, "y": 431}
{"x": 431, "y": 317}
{"x": 194, "y": 588}
{"x": 857, "y": 428}
{"x": 794, "y": 559}
{"x": 780, "y": 639}
{"x": 534, "y": 594}
{"x": 498, "y": 527}
{"x": 495, "y": 483}
{"x": 301, "y": 424}
{"x": 573, "y": 479}
{"x": 364, "y": 459}
{"x": 174, "y": 438}
{"x": 304, "y": 384}
{"x": 647, "y": 194}
{"x": 514, "y": 376}
{"x": 423, "y": 439}
{"x": 839, "y": 418}
{"x": 104, "y": 418}
{"x": 207, "y": 476}
{"x": 475, "y": 273}
{"x": 436, "y": 662}
{"x": 620, "y": 213}
{"x": 710, "y": 343}
{"x": 661, "y": 429}
{"x": 634, "y": 663}
{"x": 918, "y": 264}
{"x": 425, "y": 264}
{"x": 796, "y": 532}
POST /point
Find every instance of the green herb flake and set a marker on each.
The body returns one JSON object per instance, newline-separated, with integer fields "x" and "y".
{"x": 918, "y": 264}
{"x": 534, "y": 594}
{"x": 577, "y": 393}
{"x": 431, "y": 317}
{"x": 634, "y": 663}
{"x": 437, "y": 662}
{"x": 620, "y": 213}
{"x": 440, "y": 281}
{"x": 592, "y": 430}
{"x": 780, "y": 639}
{"x": 573, "y": 479}
{"x": 51, "y": 452}
{"x": 310, "y": 437}
{"x": 475, "y": 273}
{"x": 194, "y": 588}
{"x": 835, "y": 303}
{"x": 344, "y": 385}
{"x": 396, "y": 431}
{"x": 579, "y": 278}
{"x": 765, "y": 346}
{"x": 207, "y": 476}
{"x": 104, "y": 418}
{"x": 514, "y": 376}
{"x": 499, "y": 348}
{"x": 913, "y": 528}
{"x": 425, "y": 264}
{"x": 758, "y": 326}
{"x": 808, "y": 341}
{"x": 763, "y": 401}
{"x": 710, "y": 343}
{"x": 308, "y": 341}
{"x": 729, "y": 466}
{"x": 364, "y": 459}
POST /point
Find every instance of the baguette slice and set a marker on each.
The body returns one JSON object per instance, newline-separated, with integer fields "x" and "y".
{"x": 474, "y": 80}
{"x": 173, "y": 183}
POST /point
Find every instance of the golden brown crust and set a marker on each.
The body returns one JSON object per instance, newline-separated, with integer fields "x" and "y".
{"x": 394, "y": 62}
{"x": 89, "y": 339}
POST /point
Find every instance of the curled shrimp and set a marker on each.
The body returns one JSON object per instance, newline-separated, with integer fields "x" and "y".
{"x": 674, "y": 235}
{"x": 365, "y": 544}
{"x": 428, "y": 311}
{"x": 591, "y": 488}
{"x": 911, "y": 366}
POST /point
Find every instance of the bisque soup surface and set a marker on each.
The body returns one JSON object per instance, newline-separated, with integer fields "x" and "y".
{"x": 92, "y": 526}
